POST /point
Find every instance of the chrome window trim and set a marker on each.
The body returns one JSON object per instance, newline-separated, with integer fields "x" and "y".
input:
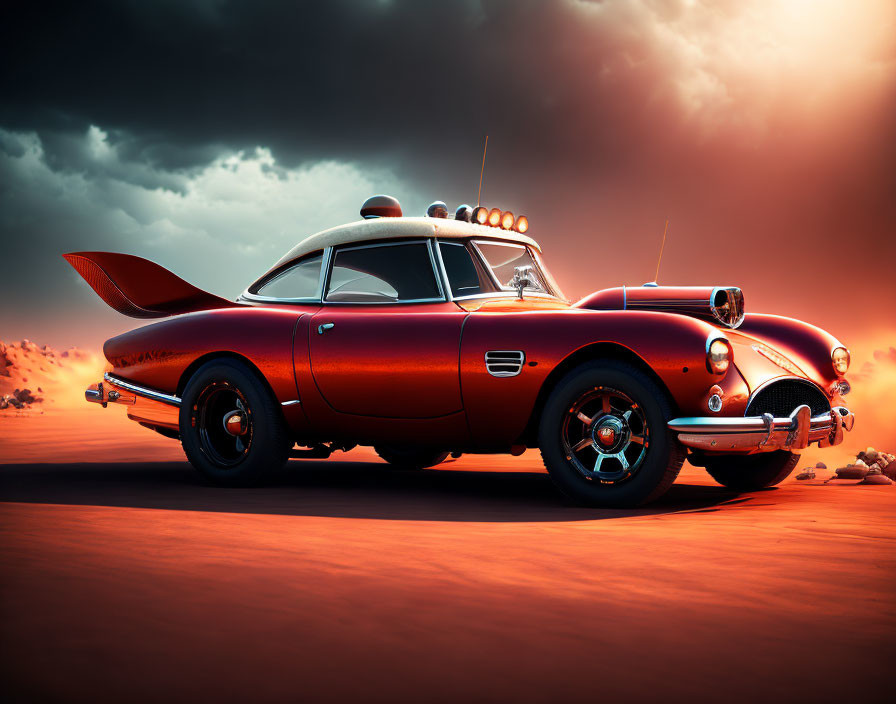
{"x": 324, "y": 261}
{"x": 449, "y": 294}
{"x": 143, "y": 391}
{"x": 428, "y": 241}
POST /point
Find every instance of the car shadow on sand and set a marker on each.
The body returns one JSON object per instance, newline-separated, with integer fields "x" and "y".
{"x": 333, "y": 489}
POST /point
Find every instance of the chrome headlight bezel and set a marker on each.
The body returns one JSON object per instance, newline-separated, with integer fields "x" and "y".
{"x": 719, "y": 354}
{"x": 840, "y": 359}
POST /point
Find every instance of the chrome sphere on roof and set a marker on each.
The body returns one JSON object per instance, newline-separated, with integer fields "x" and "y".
{"x": 438, "y": 209}
{"x": 381, "y": 207}
{"x": 464, "y": 213}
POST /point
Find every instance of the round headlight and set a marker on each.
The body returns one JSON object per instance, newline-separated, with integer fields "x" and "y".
{"x": 840, "y": 360}
{"x": 507, "y": 220}
{"x": 718, "y": 356}
{"x": 522, "y": 224}
{"x": 480, "y": 215}
{"x": 494, "y": 217}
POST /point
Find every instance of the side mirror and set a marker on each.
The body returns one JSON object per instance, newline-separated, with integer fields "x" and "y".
{"x": 522, "y": 277}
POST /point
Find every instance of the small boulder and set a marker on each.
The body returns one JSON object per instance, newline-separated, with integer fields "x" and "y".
{"x": 807, "y": 473}
{"x": 874, "y": 469}
{"x": 820, "y": 465}
{"x": 852, "y": 471}
{"x": 890, "y": 470}
{"x": 876, "y": 479}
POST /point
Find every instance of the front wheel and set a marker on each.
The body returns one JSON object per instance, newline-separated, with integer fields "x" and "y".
{"x": 752, "y": 472}
{"x": 231, "y": 428}
{"x": 604, "y": 438}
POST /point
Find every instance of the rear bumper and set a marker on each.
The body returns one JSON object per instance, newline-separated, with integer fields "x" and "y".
{"x": 146, "y": 406}
{"x": 764, "y": 433}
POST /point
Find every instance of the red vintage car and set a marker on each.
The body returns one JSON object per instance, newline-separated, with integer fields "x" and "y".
{"x": 424, "y": 336}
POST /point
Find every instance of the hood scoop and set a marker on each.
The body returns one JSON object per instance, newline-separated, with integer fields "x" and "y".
{"x": 722, "y": 305}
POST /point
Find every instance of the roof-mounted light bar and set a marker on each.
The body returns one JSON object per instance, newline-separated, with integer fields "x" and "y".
{"x": 480, "y": 215}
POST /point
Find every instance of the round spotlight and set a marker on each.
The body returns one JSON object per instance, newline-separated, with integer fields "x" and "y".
{"x": 522, "y": 224}
{"x": 507, "y": 220}
{"x": 480, "y": 215}
{"x": 464, "y": 213}
{"x": 437, "y": 210}
{"x": 494, "y": 217}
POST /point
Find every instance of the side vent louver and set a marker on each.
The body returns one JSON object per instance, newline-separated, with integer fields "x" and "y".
{"x": 504, "y": 362}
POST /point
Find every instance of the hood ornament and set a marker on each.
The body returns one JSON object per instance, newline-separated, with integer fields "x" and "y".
{"x": 522, "y": 277}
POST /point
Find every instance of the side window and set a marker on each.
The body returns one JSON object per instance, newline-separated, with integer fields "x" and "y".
{"x": 299, "y": 281}
{"x": 384, "y": 273}
{"x": 462, "y": 274}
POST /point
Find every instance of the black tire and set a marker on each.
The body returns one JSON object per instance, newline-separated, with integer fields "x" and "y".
{"x": 634, "y": 483}
{"x": 752, "y": 472}
{"x": 215, "y": 391}
{"x": 411, "y": 458}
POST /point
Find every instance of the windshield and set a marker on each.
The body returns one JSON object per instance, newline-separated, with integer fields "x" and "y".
{"x": 503, "y": 258}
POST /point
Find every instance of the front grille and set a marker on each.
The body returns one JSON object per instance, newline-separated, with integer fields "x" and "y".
{"x": 780, "y": 398}
{"x": 504, "y": 362}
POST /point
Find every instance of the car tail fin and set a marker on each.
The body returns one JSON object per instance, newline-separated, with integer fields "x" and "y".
{"x": 140, "y": 288}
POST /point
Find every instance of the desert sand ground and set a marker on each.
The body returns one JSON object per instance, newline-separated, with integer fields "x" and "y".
{"x": 346, "y": 580}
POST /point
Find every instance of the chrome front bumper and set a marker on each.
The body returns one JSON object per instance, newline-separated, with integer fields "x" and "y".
{"x": 764, "y": 433}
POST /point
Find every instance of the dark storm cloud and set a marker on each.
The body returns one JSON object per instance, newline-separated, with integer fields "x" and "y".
{"x": 763, "y": 129}
{"x": 576, "y": 89}
{"x": 339, "y": 79}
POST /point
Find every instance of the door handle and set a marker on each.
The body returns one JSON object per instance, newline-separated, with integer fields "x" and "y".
{"x": 325, "y": 326}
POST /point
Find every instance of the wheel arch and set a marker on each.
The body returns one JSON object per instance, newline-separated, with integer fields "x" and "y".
{"x": 588, "y": 353}
{"x": 197, "y": 363}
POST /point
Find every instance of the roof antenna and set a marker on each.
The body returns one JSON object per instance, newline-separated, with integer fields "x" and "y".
{"x": 482, "y": 171}
{"x": 658, "y": 261}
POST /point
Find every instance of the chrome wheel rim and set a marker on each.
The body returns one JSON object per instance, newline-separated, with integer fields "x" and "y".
{"x": 223, "y": 419}
{"x": 605, "y": 435}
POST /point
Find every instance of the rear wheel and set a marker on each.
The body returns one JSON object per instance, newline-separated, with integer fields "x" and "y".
{"x": 752, "y": 472}
{"x": 410, "y": 457}
{"x": 231, "y": 428}
{"x": 604, "y": 439}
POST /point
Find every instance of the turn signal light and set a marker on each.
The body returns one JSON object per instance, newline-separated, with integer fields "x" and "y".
{"x": 840, "y": 360}
{"x": 718, "y": 357}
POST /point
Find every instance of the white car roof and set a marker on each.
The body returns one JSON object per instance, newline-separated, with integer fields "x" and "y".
{"x": 394, "y": 228}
